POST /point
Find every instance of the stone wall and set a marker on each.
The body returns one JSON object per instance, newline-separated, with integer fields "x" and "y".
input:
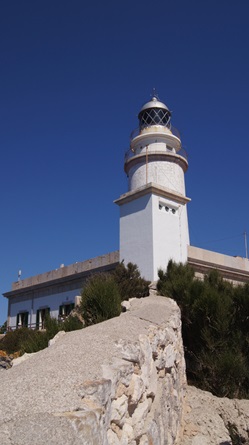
{"x": 121, "y": 382}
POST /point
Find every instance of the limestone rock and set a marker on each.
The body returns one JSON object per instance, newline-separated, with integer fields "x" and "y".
{"x": 5, "y": 362}
{"x": 214, "y": 421}
{"x": 59, "y": 335}
{"x": 119, "y": 410}
{"x": 22, "y": 358}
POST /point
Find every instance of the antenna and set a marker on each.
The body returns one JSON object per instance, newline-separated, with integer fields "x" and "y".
{"x": 19, "y": 274}
{"x": 246, "y": 247}
{"x": 154, "y": 93}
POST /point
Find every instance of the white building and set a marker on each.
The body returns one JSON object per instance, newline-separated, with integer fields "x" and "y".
{"x": 153, "y": 227}
{"x": 153, "y": 214}
{"x": 55, "y": 292}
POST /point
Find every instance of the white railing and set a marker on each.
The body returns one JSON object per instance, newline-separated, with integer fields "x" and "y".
{"x": 130, "y": 153}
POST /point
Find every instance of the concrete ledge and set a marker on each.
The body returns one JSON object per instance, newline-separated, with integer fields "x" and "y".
{"x": 232, "y": 268}
{"x": 154, "y": 188}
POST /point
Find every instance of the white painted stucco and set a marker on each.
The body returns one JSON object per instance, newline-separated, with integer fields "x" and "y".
{"x": 163, "y": 172}
{"x": 136, "y": 238}
{"x": 33, "y": 304}
{"x": 154, "y": 227}
{"x": 170, "y": 233}
{"x": 54, "y": 288}
{"x": 150, "y": 236}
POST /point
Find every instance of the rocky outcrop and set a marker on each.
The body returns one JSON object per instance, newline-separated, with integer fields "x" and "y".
{"x": 209, "y": 420}
{"x": 5, "y": 360}
{"x": 120, "y": 382}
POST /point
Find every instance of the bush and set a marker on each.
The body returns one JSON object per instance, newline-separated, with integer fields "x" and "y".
{"x": 214, "y": 327}
{"x": 28, "y": 340}
{"x": 34, "y": 342}
{"x": 130, "y": 282}
{"x": 13, "y": 341}
{"x": 71, "y": 323}
{"x": 100, "y": 299}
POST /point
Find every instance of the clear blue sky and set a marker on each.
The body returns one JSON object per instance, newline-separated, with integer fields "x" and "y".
{"x": 73, "y": 77}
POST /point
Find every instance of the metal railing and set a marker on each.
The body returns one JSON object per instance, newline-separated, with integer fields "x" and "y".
{"x": 131, "y": 153}
{"x": 35, "y": 326}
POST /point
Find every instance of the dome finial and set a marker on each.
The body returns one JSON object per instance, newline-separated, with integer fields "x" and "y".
{"x": 154, "y": 94}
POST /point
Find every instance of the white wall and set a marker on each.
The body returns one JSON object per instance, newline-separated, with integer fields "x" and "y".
{"x": 136, "y": 234}
{"x": 52, "y": 301}
{"x": 150, "y": 237}
{"x": 166, "y": 174}
{"x": 170, "y": 233}
{"x": 15, "y": 308}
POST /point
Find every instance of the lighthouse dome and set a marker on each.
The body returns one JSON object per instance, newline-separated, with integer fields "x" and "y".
{"x": 154, "y": 112}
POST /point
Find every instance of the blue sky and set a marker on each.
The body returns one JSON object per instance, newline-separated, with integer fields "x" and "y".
{"x": 73, "y": 76}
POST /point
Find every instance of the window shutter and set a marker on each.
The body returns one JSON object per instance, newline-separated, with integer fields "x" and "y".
{"x": 37, "y": 319}
{"x": 26, "y": 319}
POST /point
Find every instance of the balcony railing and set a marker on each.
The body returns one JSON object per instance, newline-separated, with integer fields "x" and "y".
{"x": 131, "y": 153}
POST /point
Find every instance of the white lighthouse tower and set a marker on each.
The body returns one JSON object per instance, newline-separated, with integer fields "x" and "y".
{"x": 153, "y": 213}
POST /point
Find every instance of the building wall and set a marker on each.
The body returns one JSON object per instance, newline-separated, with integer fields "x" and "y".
{"x": 163, "y": 172}
{"x": 235, "y": 269}
{"x": 150, "y": 235}
{"x": 136, "y": 241}
{"x": 65, "y": 271}
{"x": 33, "y": 303}
{"x": 170, "y": 233}
{"x": 54, "y": 288}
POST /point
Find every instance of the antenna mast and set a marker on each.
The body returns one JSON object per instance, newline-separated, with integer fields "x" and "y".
{"x": 246, "y": 247}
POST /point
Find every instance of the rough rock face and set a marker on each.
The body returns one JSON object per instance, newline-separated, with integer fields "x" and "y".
{"x": 120, "y": 382}
{"x": 5, "y": 360}
{"x": 209, "y": 420}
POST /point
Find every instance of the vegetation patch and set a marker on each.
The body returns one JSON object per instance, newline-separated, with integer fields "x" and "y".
{"x": 129, "y": 281}
{"x": 100, "y": 299}
{"x": 215, "y": 328}
{"x": 28, "y": 340}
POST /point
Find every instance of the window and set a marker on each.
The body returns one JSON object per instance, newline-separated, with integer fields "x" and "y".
{"x": 167, "y": 207}
{"x": 22, "y": 320}
{"x": 41, "y": 315}
{"x": 65, "y": 309}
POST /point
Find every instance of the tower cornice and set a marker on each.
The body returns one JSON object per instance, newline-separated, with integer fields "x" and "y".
{"x": 152, "y": 188}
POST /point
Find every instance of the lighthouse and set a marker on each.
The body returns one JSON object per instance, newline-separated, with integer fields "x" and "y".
{"x": 153, "y": 213}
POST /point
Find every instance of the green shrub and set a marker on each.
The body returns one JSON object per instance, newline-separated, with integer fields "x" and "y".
{"x": 13, "y": 341}
{"x": 52, "y": 326}
{"x": 130, "y": 282}
{"x": 28, "y": 340}
{"x": 215, "y": 329}
{"x": 100, "y": 299}
{"x": 71, "y": 323}
{"x": 35, "y": 342}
